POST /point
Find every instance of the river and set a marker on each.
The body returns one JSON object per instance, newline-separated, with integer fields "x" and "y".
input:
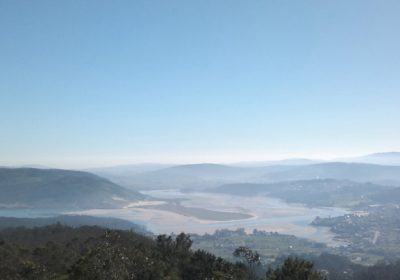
{"x": 269, "y": 214}
{"x": 261, "y": 212}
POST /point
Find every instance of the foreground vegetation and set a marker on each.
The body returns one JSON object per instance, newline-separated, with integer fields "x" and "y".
{"x": 60, "y": 253}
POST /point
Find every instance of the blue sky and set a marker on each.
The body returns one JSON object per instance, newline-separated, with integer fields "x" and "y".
{"x": 86, "y": 83}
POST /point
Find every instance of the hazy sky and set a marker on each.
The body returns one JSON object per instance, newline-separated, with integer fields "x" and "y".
{"x": 106, "y": 82}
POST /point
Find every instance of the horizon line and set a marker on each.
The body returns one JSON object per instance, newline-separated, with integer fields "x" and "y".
{"x": 104, "y": 163}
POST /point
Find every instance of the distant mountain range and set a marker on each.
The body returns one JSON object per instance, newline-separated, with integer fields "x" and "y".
{"x": 289, "y": 161}
{"x": 130, "y": 169}
{"x": 54, "y": 188}
{"x": 379, "y": 168}
{"x": 359, "y": 172}
{"x": 390, "y": 158}
{"x": 190, "y": 176}
{"x": 122, "y": 174}
{"x": 201, "y": 176}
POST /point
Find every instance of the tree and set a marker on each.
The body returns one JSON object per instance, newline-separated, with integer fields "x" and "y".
{"x": 295, "y": 269}
{"x": 252, "y": 258}
{"x": 183, "y": 243}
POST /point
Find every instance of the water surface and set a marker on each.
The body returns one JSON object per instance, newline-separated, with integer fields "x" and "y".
{"x": 263, "y": 213}
{"x": 266, "y": 213}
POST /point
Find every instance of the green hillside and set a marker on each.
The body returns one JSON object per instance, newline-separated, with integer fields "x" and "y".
{"x": 53, "y": 188}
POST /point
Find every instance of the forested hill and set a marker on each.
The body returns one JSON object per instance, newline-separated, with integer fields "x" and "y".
{"x": 72, "y": 221}
{"x": 54, "y": 188}
{"x": 317, "y": 192}
{"x": 58, "y": 252}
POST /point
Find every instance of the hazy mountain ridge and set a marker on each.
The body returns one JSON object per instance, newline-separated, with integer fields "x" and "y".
{"x": 129, "y": 169}
{"x": 123, "y": 174}
{"x": 288, "y": 161}
{"x": 359, "y": 172}
{"x": 202, "y": 176}
{"x": 386, "y": 158}
{"x": 317, "y": 192}
{"x": 56, "y": 188}
{"x": 382, "y": 158}
{"x": 193, "y": 176}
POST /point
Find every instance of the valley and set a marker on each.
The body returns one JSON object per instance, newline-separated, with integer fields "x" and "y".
{"x": 330, "y": 210}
